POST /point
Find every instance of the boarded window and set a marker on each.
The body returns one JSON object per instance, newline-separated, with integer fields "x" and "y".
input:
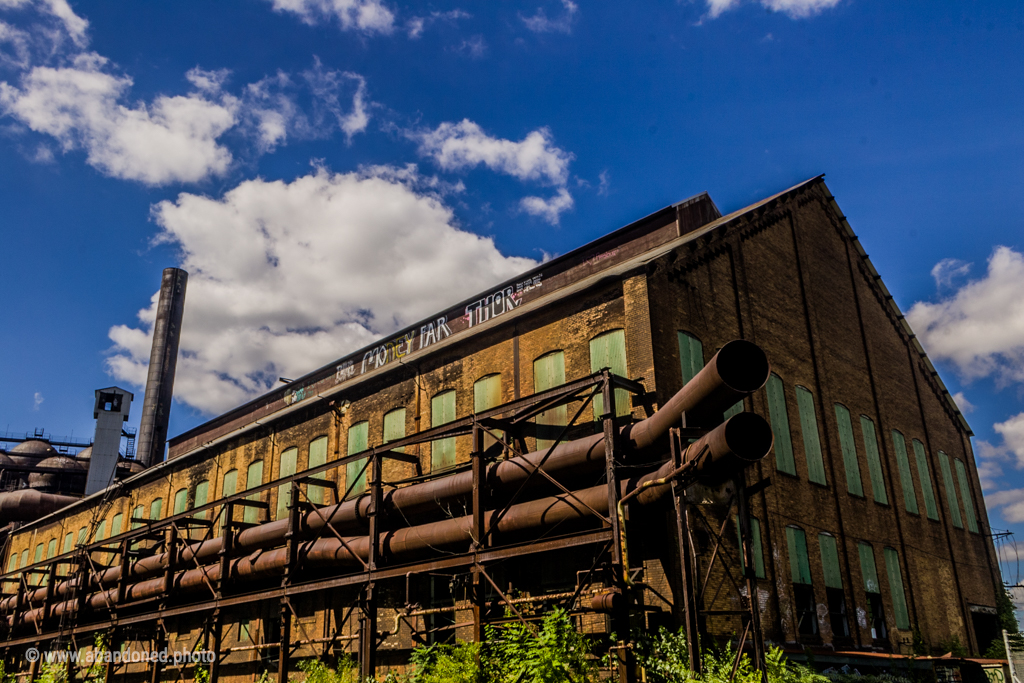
{"x": 69, "y": 542}
{"x": 965, "y": 494}
{"x": 180, "y": 501}
{"x": 809, "y": 429}
{"x": 442, "y": 411}
{"x": 947, "y": 482}
{"x": 849, "y": 448}
{"x": 608, "y": 350}
{"x": 24, "y": 558}
{"x": 899, "y": 599}
{"x": 83, "y": 533}
{"x": 755, "y": 541}
{"x": 830, "y": 561}
{"x": 115, "y": 525}
{"x": 779, "y": 417}
{"x": 924, "y": 474}
{"x": 906, "y": 478}
{"x": 486, "y": 395}
{"x": 12, "y": 562}
{"x": 394, "y": 427}
{"x": 51, "y": 549}
{"x": 800, "y": 567}
{"x": 548, "y": 373}
{"x": 867, "y": 429}
{"x": 156, "y": 509}
{"x": 101, "y": 531}
{"x": 867, "y": 568}
{"x": 355, "y": 471}
{"x": 137, "y": 514}
{"x": 202, "y": 495}
{"x": 253, "y": 478}
{"x": 287, "y": 467}
{"x": 38, "y": 557}
{"x": 317, "y": 457}
{"x": 230, "y": 483}
{"x": 691, "y": 356}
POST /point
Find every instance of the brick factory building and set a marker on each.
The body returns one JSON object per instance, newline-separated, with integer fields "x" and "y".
{"x": 866, "y": 519}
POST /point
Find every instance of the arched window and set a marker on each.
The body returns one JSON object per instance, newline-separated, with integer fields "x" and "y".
{"x": 442, "y": 411}
{"x": 965, "y": 494}
{"x": 608, "y": 350}
{"x": 947, "y": 482}
{"x": 253, "y": 478}
{"x": 115, "y": 524}
{"x": 317, "y": 457}
{"x": 394, "y": 427}
{"x": 355, "y": 471}
{"x": 486, "y": 395}
{"x": 867, "y": 430}
{"x": 809, "y": 429}
{"x": 137, "y": 514}
{"x": 691, "y": 356}
{"x": 876, "y": 611}
{"x": 899, "y": 445}
{"x": 834, "y": 593}
{"x": 803, "y": 591}
{"x": 156, "y": 509}
{"x": 849, "y": 449}
{"x": 548, "y": 373}
{"x": 286, "y": 468}
{"x": 924, "y": 474}
{"x": 779, "y": 416}
{"x": 899, "y": 598}
{"x": 180, "y": 501}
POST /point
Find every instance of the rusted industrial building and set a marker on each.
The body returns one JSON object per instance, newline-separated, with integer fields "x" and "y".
{"x": 287, "y": 529}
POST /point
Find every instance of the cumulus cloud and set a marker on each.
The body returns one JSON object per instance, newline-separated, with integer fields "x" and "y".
{"x": 367, "y": 16}
{"x": 548, "y": 209}
{"x": 74, "y": 25}
{"x": 947, "y": 270}
{"x": 287, "y": 276}
{"x": 541, "y": 23}
{"x": 1010, "y": 504}
{"x": 1012, "y": 432}
{"x": 962, "y": 403}
{"x": 81, "y": 106}
{"x": 457, "y": 146}
{"x": 37, "y": 400}
{"x": 980, "y": 328}
{"x": 795, "y": 9}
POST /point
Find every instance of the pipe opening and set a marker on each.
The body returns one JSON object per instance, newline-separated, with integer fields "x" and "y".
{"x": 743, "y": 366}
{"x": 749, "y": 436}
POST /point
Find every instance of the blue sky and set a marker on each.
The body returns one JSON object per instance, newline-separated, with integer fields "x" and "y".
{"x": 254, "y": 142}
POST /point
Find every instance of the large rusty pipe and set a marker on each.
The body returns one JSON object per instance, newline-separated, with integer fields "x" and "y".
{"x": 739, "y": 368}
{"x": 29, "y": 505}
{"x": 740, "y": 441}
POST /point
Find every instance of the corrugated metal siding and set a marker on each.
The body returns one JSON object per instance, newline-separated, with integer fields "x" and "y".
{"x": 354, "y": 471}
{"x": 799, "y": 566}
{"x": 830, "y": 561}
{"x": 899, "y": 599}
{"x": 809, "y": 429}
{"x": 867, "y": 428}
{"x": 289, "y": 461}
{"x": 609, "y": 351}
{"x": 442, "y": 411}
{"x": 548, "y": 373}
{"x": 691, "y": 355}
{"x": 906, "y": 478}
{"x": 394, "y": 427}
{"x": 965, "y": 494}
{"x": 947, "y": 482}
{"x": 924, "y": 474}
{"x": 779, "y": 417}
{"x": 849, "y": 448}
{"x": 867, "y": 568}
{"x": 317, "y": 457}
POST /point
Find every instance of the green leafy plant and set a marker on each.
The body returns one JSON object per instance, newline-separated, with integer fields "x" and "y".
{"x": 318, "y": 672}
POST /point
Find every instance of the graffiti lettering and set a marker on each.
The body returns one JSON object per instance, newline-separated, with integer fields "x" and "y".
{"x": 345, "y": 371}
{"x": 434, "y": 332}
{"x": 295, "y": 396}
{"x": 499, "y": 302}
{"x": 380, "y": 356}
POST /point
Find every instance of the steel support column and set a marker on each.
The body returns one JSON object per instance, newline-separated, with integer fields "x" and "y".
{"x": 750, "y": 574}
{"x": 686, "y": 559}
{"x": 368, "y": 604}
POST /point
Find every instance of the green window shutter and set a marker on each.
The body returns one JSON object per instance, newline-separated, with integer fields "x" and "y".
{"x": 51, "y": 548}
{"x": 947, "y": 482}
{"x": 609, "y": 351}
{"x": 867, "y": 428}
{"x": 755, "y": 541}
{"x": 39, "y": 554}
{"x": 180, "y": 501}
{"x": 394, "y": 427}
{"x": 809, "y": 429}
{"x": 24, "y": 558}
{"x": 289, "y": 461}
{"x": 779, "y": 417}
{"x": 830, "y": 561}
{"x": 355, "y": 472}
{"x": 899, "y": 599}
{"x": 230, "y": 483}
{"x": 83, "y": 533}
{"x": 101, "y": 530}
{"x": 867, "y": 568}
{"x": 202, "y": 493}
{"x": 253, "y": 478}
{"x": 691, "y": 356}
{"x": 548, "y": 373}
{"x": 849, "y": 448}
{"x": 156, "y": 509}
{"x": 115, "y": 525}
{"x": 924, "y": 474}
{"x": 906, "y": 478}
{"x": 800, "y": 567}
{"x": 486, "y": 395}
{"x": 735, "y": 409}
{"x": 69, "y": 542}
{"x": 12, "y": 562}
{"x": 317, "y": 457}
{"x": 136, "y": 514}
{"x": 442, "y": 411}
{"x": 965, "y": 494}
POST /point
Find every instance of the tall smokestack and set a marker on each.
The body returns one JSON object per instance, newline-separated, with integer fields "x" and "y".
{"x": 156, "y": 408}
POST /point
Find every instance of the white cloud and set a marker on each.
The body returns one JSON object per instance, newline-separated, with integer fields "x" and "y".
{"x": 285, "y": 277}
{"x": 604, "y": 182}
{"x": 368, "y": 16}
{"x": 540, "y": 23}
{"x": 795, "y": 9}
{"x": 457, "y": 146}
{"x": 17, "y": 42}
{"x": 1012, "y": 432}
{"x": 171, "y": 139}
{"x": 980, "y": 328}
{"x": 474, "y": 46}
{"x": 962, "y": 403}
{"x": 947, "y": 270}
{"x": 37, "y": 400}
{"x": 548, "y": 209}
{"x": 416, "y": 25}
{"x": 989, "y": 458}
{"x": 1010, "y": 504}
{"x": 74, "y": 25}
